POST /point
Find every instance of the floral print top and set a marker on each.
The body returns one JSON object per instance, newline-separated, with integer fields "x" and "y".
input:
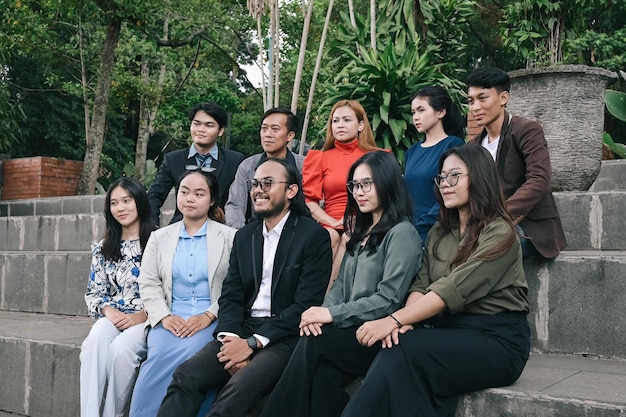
{"x": 114, "y": 284}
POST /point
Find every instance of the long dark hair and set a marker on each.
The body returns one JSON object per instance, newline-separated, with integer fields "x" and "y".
{"x": 486, "y": 203}
{"x": 453, "y": 122}
{"x": 113, "y": 231}
{"x": 297, "y": 204}
{"x": 393, "y": 197}
{"x": 215, "y": 211}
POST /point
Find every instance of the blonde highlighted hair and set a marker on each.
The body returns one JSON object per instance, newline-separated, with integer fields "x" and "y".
{"x": 365, "y": 137}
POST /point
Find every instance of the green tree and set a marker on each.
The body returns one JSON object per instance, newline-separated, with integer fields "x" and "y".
{"x": 383, "y": 79}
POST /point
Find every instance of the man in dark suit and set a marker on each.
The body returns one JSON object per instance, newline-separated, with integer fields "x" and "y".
{"x": 207, "y": 125}
{"x": 279, "y": 267}
{"x": 521, "y": 153}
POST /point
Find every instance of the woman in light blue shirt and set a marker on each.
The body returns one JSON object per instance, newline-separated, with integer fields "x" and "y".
{"x": 181, "y": 280}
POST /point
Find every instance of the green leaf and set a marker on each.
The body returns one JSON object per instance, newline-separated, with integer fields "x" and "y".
{"x": 616, "y": 103}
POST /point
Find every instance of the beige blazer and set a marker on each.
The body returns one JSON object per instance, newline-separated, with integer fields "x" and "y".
{"x": 155, "y": 278}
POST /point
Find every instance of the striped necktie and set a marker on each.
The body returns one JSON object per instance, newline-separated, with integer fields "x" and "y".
{"x": 203, "y": 158}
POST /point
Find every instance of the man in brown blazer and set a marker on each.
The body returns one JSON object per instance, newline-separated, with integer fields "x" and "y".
{"x": 521, "y": 153}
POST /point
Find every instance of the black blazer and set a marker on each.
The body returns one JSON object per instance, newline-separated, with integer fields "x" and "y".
{"x": 301, "y": 272}
{"x": 173, "y": 167}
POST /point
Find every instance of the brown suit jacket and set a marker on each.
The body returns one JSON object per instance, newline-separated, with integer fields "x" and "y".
{"x": 525, "y": 173}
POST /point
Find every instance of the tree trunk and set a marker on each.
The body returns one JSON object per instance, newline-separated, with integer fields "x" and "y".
{"x": 91, "y": 166}
{"x": 303, "y": 42}
{"x": 316, "y": 71}
{"x": 373, "y": 24}
{"x": 148, "y": 108}
{"x": 276, "y": 53}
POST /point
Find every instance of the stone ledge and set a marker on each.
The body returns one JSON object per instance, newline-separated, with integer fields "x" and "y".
{"x": 40, "y": 351}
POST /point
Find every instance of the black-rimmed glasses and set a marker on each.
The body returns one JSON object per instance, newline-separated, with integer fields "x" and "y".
{"x": 265, "y": 184}
{"x": 365, "y": 185}
{"x": 199, "y": 168}
{"x": 452, "y": 179}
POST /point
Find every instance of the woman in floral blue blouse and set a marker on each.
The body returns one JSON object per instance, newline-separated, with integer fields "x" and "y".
{"x": 111, "y": 353}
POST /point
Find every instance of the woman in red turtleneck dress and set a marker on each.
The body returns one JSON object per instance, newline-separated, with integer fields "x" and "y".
{"x": 325, "y": 172}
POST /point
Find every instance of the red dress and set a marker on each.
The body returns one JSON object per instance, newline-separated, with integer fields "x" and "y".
{"x": 325, "y": 174}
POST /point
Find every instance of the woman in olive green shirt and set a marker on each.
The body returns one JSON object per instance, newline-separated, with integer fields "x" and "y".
{"x": 382, "y": 258}
{"x": 471, "y": 285}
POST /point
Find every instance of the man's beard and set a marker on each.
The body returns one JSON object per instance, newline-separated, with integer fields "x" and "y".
{"x": 272, "y": 211}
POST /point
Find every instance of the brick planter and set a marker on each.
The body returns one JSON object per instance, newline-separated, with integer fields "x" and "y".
{"x": 39, "y": 176}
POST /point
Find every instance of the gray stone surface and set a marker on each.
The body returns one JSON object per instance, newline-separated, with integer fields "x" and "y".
{"x": 41, "y": 351}
{"x": 593, "y": 220}
{"x": 50, "y": 233}
{"x": 54, "y": 380}
{"x": 23, "y": 284}
{"x": 76, "y": 234}
{"x": 576, "y": 303}
{"x": 612, "y": 176}
{"x": 67, "y": 276}
{"x": 551, "y": 95}
{"x": 14, "y": 360}
{"x": 22, "y": 208}
{"x": 44, "y": 282}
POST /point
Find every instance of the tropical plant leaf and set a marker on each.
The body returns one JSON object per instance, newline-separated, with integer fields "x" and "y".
{"x": 616, "y": 103}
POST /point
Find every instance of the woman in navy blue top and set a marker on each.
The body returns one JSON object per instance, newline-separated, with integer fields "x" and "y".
{"x": 436, "y": 115}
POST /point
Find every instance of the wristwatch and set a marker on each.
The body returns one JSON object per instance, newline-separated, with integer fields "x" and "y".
{"x": 252, "y": 343}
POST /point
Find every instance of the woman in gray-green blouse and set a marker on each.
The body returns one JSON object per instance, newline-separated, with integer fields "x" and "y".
{"x": 472, "y": 285}
{"x": 381, "y": 260}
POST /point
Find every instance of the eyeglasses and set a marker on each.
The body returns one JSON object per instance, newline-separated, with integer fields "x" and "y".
{"x": 199, "y": 168}
{"x": 365, "y": 185}
{"x": 265, "y": 184}
{"x": 452, "y": 179}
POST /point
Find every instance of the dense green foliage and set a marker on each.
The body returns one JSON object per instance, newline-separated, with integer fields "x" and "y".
{"x": 194, "y": 50}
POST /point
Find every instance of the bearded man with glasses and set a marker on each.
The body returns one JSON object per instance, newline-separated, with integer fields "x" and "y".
{"x": 279, "y": 267}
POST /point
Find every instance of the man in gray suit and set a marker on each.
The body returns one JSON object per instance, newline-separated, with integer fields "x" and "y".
{"x": 278, "y": 128}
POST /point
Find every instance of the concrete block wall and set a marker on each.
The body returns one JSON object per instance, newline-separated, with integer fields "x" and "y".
{"x": 40, "y": 366}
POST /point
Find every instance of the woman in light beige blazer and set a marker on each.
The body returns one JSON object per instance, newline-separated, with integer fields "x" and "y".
{"x": 183, "y": 268}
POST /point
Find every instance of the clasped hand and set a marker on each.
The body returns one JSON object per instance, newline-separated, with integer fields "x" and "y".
{"x": 234, "y": 353}
{"x": 180, "y": 327}
{"x": 121, "y": 320}
{"x": 312, "y": 320}
{"x": 384, "y": 329}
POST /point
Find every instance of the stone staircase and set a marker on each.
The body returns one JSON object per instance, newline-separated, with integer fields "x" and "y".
{"x": 578, "y": 316}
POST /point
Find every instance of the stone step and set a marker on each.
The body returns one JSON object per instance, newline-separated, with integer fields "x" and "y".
{"x": 555, "y": 386}
{"x": 612, "y": 176}
{"x": 40, "y": 368}
{"x": 62, "y": 233}
{"x": 593, "y": 220}
{"x": 40, "y": 363}
{"x": 575, "y": 300}
{"x": 576, "y": 303}
{"x": 83, "y": 204}
{"x": 87, "y": 204}
{"x": 44, "y": 282}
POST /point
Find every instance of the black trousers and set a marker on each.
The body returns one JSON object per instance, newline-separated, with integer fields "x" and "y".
{"x": 319, "y": 368}
{"x": 238, "y": 395}
{"x": 427, "y": 372}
